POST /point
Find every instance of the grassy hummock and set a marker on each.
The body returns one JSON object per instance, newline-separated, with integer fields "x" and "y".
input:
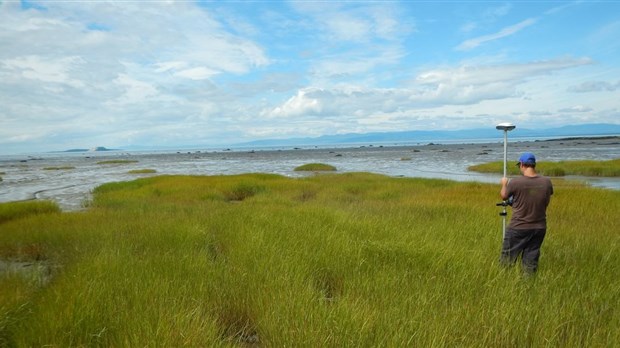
{"x": 142, "y": 171}
{"x": 59, "y": 168}
{"x": 333, "y": 260}
{"x": 315, "y": 167}
{"x": 609, "y": 168}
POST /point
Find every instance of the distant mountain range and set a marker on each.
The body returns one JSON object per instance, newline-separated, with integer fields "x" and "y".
{"x": 596, "y": 129}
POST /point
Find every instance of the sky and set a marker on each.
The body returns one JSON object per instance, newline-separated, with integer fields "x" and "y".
{"x": 87, "y": 73}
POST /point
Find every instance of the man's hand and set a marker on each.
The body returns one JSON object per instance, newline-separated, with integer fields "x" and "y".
{"x": 504, "y": 191}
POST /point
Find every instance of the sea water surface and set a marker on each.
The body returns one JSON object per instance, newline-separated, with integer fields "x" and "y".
{"x": 27, "y": 177}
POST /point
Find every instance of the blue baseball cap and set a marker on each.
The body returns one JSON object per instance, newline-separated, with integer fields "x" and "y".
{"x": 527, "y": 158}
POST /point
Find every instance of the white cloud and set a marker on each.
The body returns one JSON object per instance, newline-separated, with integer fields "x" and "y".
{"x": 355, "y": 65}
{"x": 342, "y": 22}
{"x": 487, "y": 17}
{"x": 225, "y": 53}
{"x": 387, "y": 25}
{"x": 45, "y": 70}
{"x": 540, "y": 113}
{"x": 468, "y": 27}
{"x": 199, "y": 73}
{"x": 134, "y": 91}
{"x": 483, "y": 74}
{"x": 562, "y": 7}
{"x": 576, "y": 108}
{"x": 595, "y": 86}
{"x": 300, "y": 104}
{"x": 507, "y": 31}
{"x": 345, "y": 26}
{"x": 472, "y": 84}
{"x": 114, "y": 65}
{"x": 353, "y": 41}
{"x": 496, "y": 12}
{"x": 432, "y": 93}
{"x": 168, "y": 66}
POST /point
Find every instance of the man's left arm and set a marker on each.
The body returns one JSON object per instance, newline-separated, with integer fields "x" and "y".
{"x": 503, "y": 193}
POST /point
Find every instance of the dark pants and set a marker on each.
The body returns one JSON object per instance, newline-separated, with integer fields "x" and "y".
{"x": 525, "y": 242}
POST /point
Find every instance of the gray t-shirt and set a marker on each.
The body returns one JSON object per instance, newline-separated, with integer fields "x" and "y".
{"x": 531, "y": 197}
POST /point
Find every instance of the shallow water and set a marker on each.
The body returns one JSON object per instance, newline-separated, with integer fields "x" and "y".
{"x": 24, "y": 177}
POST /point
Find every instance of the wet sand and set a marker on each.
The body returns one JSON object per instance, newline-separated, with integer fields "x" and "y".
{"x": 26, "y": 177}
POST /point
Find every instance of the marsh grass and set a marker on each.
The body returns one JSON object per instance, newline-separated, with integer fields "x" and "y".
{"x": 243, "y": 190}
{"x": 142, "y": 171}
{"x": 609, "y": 168}
{"x": 117, "y": 162}
{"x": 59, "y": 168}
{"x": 352, "y": 259}
{"x": 315, "y": 167}
{"x": 16, "y": 210}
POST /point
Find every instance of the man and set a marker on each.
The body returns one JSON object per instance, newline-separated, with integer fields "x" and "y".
{"x": 526, "y": 231}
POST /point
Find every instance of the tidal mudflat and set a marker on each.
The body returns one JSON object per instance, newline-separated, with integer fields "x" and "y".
{"x": 77, "y": 174}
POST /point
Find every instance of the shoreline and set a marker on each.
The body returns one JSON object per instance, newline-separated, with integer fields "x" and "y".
{"x": 611, "y": 139}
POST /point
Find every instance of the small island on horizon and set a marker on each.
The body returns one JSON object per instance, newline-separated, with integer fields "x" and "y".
{"x": 94, "y": 149}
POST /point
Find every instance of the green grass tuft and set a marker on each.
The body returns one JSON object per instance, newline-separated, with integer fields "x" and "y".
{"x": 16, "y": 210}
{"x": 142, "y": 171}
{"x": 59, "y": 168}
{"x": 243, "y": 190}
{"x": 117, "y": 162}
{"x": 315, "y": 167}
